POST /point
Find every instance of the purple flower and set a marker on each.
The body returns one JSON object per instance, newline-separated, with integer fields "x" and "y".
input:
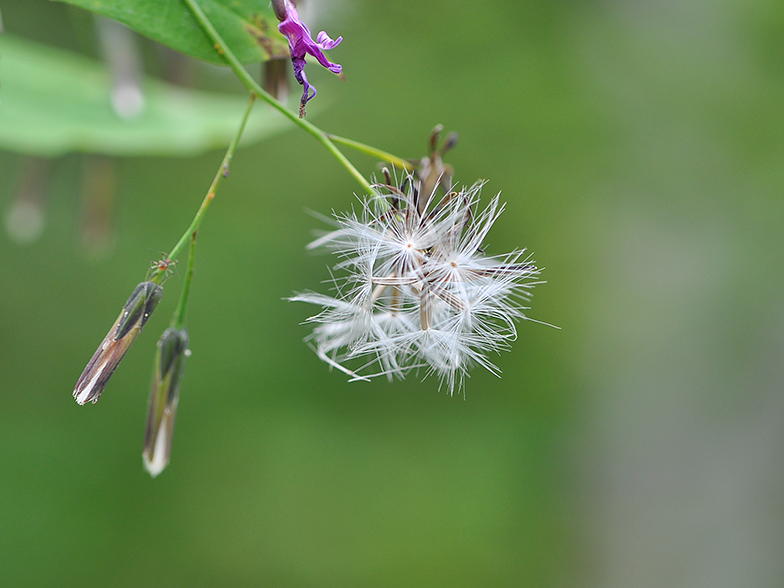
{"x": 300, "y": 44}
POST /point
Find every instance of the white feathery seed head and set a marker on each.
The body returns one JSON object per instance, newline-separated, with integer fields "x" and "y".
{"x": 413, "y": 288}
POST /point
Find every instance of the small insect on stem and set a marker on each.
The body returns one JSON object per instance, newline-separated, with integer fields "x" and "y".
{"x": 163, "y": 266}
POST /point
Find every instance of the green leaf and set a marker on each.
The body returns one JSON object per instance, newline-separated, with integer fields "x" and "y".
{"x": 53, "y": 102}
{"x": 249, "y": 27}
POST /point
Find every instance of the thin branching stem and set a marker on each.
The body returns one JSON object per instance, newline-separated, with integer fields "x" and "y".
{"x": 373, "y": 152}
{"x": 159, "y": 276}
{"x": 178, "y": 320}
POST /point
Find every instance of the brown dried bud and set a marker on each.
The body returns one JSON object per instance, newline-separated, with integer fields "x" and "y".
{"x": 164, "y": 395}
{"x": 126, "y": 328}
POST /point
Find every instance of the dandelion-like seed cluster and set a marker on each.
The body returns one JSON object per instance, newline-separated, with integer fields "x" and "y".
{"x": 414, "y": 288}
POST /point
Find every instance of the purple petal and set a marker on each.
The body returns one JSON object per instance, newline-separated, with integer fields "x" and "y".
{"x": 301, "y": 44}
{"x": 326, "y": 43}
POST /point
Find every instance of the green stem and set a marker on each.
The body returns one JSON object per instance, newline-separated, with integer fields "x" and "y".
{"x": 252, "y": 87}
{"x": 372, "y": 151}
{"x": 178, "y": 320}
{"x": 223, "y": 170}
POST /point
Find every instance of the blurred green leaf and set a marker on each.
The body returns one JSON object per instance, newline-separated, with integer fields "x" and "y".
{"x": 248, "y": 26}
{"x": 53, "y": 102}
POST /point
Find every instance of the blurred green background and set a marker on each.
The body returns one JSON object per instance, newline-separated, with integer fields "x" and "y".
{"x": 640, "y": 149}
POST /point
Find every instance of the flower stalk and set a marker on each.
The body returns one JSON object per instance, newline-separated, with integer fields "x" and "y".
{"x": 385, "y": 156}
{"x": 159, "y": 275}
